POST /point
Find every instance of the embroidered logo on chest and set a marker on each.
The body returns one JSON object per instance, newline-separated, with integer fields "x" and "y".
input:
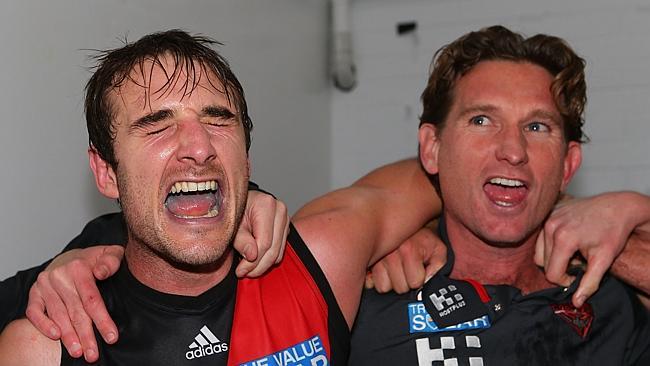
{"x": 579, "y": 319}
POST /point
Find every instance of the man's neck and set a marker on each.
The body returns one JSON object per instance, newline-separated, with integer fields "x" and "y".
{"x": 164, "y": 276}
{"x": 493, "y": 265}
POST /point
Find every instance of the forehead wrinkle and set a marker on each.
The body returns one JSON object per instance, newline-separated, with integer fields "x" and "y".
{"x": 216, "y": 92}
{"x": 220, "y": 86}
{"x": 119, "y": 96}
{"x": 132, "y": 98}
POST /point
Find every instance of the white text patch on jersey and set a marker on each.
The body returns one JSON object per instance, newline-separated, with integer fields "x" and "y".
{"x": 307, "y": 353}
{"x": 420, "y": 321}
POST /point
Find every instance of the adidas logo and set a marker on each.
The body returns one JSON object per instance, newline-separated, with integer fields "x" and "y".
{"x": 205, "y": 344}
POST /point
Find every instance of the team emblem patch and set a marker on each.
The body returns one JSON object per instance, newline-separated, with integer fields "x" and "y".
{"x": 579, "y": 319}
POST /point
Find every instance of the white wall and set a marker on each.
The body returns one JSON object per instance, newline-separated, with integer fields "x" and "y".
{"x": 277, "y": 49}
{"x": 377, "y": 122}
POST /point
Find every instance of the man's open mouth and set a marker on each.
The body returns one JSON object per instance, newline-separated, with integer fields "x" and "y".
{"x": 192, "y": 200}
{"x": 505, "y": 192}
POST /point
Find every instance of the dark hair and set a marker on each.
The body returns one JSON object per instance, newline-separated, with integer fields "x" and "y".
{"x": 499, "y": 43}
{"x": 115, "y": 67}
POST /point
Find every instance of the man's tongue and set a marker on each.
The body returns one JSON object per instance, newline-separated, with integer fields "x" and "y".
{"x": 192, "y": 205}
{"x": 504, "y": 195}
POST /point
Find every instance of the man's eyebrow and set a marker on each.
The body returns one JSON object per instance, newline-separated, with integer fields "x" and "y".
{"x": 545, "y": 114}
{"x": 478, "y": 108}
{"x": 217, "y": 111}
{"x": 151, "y": 119}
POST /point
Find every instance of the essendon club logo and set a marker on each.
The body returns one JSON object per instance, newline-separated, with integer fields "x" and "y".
{"x": 579, "y": 319}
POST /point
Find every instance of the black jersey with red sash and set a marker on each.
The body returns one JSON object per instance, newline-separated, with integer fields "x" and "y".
{"x": 287, "y": 317}
{"x": 464, "y": 323}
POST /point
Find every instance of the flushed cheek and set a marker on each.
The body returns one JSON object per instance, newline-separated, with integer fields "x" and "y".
{"x": 228, "y": 141}
{"x": 142, "y": 173}
{"x": 237, "y": 180}
{"x": 461, "y": 167}
{"x": 232, "y": 154}
{"x": 548, "y": 168}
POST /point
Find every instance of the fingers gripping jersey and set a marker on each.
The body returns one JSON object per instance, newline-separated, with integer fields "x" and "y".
{"x": 286, "y": 317}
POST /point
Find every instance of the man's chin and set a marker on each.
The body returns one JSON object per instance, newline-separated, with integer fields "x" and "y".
{"x": 199, "y": 258}
{"x": 503, "y": 233}
{"x": 509, "y": 239}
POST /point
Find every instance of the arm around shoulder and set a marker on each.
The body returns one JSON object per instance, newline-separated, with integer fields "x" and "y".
{"x": 349, "y": 229}
{"x": 383, "y": 208}
{"x": 22, "y": 344}
{"x": 632, "y": 264}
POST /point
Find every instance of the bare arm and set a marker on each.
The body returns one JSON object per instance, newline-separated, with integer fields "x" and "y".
{"x": 22, "y": 344}
{"x": 349, "y": 229}
{"x": 632, "y": 264}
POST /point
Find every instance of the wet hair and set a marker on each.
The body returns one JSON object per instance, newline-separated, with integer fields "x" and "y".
{"x": 454, "y": 60}
{"x": 190, "y": 54}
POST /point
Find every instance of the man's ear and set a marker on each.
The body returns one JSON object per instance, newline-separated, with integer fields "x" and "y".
{"x": 429, "y": 146}
{"x": 105, "y": 177}
{"x": 572, "y": 162}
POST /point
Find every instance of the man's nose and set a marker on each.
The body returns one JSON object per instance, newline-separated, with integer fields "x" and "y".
{"x": 195, "y": 145}
{"x": 512, "y": 146}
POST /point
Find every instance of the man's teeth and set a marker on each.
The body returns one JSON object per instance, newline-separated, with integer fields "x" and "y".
{"x": 507, "y": 182}
{"x": 185, "y": 187}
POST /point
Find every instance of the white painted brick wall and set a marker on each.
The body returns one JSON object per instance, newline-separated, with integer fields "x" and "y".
{"x": 377, "y": 122}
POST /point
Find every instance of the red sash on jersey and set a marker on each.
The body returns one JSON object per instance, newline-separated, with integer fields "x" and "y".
{"x": 283, "y": 310}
